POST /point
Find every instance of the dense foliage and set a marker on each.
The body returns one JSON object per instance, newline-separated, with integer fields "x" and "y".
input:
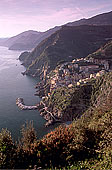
{"x": 85, "y": 144}
{"x": 70, "y": 101}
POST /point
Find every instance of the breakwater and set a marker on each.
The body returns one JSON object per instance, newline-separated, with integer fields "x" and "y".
{"x": 22, "y": 106}
{"x": 44, "y": 112}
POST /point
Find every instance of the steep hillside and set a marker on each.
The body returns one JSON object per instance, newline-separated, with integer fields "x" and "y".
{"x": 104, "y": 52}
{"x": 23, "y": 55}
{"x": 101, "y": 19}
{"x": 66, "y": 44}
{"x": 46, "y": 34}
{"x": 23, "y": 40}
{"x": 30, "y": 39}
{"x": 27, "y": 40}
{"x": 85, "y": 144}
{"x": 68, "y": 103}
{"x": 66, "y": 95}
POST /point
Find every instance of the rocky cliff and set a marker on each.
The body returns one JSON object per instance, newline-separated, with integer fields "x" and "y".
{"x": 23, "y": 56}
{"x": 66, "y": 104}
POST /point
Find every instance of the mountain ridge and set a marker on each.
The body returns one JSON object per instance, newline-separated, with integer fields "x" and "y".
{"x": 100, "y": 19}
{"x": 66, "y": 44}
{"x": 27, "y": 40}
{"x": 22, "y": 40}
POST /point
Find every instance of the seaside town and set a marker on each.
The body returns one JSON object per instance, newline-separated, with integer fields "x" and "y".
{"x": 67, "y": 74}
{"x": 77, "y": 72}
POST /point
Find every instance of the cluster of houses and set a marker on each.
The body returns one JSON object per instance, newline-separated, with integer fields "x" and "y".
{"x": 105, "y": 63}
{"x": 77, "y": 72}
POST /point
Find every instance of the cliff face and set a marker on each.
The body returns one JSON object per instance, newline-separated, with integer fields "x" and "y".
{"x": 23, "y": 56}
{"x": 66, "y": 44}
{"x": 68, "y": 103}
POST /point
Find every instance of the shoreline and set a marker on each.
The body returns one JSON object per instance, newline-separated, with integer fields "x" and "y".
{"x": 42, "y": 108}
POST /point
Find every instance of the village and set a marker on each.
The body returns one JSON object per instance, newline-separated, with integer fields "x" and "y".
{"x": 78, "y": 72}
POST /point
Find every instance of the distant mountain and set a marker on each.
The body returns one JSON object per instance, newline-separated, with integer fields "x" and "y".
{"x": 30, "y": 39}
{"x": 23, "y": 40}
{"x": 27, "y": 40}
{"x": 66, "y": 44}
{"x": 101, "y": 19}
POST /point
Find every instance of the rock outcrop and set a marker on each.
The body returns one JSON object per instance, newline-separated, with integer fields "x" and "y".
{"x": 22, "y": 106}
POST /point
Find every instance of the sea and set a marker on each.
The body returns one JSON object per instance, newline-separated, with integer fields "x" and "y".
{"x": 13, "y": 85}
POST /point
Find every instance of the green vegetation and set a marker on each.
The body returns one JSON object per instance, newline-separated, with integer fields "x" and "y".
{"x": 66, "y": 44}
{"x": 76, "y": 100}
{"x": 73, "y": 100}
{"x": 85, "y": 144}
{"x": 104, "y": 52}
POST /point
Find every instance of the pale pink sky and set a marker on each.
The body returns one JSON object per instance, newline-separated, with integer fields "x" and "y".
{"x": 17, "y": 16}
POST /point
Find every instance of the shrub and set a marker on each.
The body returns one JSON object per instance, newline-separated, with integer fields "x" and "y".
{"x": 7, "y": 150}
{"x": 28, "y": 135}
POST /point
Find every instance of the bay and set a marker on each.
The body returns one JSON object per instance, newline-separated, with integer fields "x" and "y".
{"x": 13, "y": 85}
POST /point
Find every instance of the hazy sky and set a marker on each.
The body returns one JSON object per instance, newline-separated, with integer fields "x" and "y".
{"x": 17, "y": 16}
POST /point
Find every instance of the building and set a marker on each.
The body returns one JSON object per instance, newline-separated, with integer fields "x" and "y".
{"x": 87, "y": 68}
{"x": 52, "y": 82}
{"x": 66, "y": 71}
{"x": 101, "y": 61}
{"x": 78, "y": 84}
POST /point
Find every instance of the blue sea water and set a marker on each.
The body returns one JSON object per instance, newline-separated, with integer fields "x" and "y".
{"x": 13, "y": 85}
